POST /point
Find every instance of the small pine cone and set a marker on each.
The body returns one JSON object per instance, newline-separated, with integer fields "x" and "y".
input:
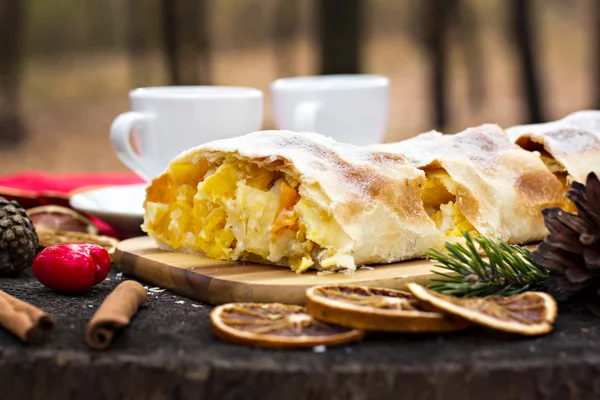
{"x": 572, "y": 250}
{"x": 18, "y": 239}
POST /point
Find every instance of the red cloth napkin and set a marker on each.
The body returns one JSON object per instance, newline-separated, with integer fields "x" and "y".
{"x": 34, "y": 188}
{"x": 66, "y": 183}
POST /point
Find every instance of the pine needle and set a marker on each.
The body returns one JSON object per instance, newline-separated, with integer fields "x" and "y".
{"x": 484, "y": 267}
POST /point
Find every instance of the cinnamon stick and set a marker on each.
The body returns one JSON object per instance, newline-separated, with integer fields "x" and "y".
{"x": 114, "y": 313}
{"x": 24, "y": 320}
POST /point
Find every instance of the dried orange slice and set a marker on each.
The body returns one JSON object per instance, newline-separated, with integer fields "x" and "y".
{"x": 529, "y": 313}
{"x": 377, "y": 310}
{"x": 276, "y": 325}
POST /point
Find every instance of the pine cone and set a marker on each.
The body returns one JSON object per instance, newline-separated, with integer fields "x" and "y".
{"x": 572, "y": 250}
{"x": 18, "y": 239}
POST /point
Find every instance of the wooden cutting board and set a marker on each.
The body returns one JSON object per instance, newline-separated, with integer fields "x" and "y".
{"x": 217, "y": 282}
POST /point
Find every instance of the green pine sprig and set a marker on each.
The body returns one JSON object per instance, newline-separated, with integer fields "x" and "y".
{"x": 502, "y": 270}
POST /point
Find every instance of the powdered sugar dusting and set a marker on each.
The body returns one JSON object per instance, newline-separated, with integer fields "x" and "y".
{"x": 481, "y": 145}
{"x": 490, "y": 168}
{"x": 573, "y": 135}
{"x": 359, "y": 191}
{"x": 588, "y": 120}
{"x": 573, "y": 141}
{"x": 344, "y": 171}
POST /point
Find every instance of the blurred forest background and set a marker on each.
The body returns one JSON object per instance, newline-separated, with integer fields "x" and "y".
{"x": 501, "y": 61}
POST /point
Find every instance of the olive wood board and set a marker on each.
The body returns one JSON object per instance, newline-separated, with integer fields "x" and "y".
{"x": 217, "y": 282}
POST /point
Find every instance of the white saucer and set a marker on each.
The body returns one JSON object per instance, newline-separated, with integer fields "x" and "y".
{"x": 119, "y": 206}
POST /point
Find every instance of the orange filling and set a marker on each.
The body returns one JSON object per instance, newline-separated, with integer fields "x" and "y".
{"x": 285, "y": 216}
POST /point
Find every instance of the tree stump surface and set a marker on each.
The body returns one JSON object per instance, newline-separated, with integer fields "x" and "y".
{"x": 169, "y": 352}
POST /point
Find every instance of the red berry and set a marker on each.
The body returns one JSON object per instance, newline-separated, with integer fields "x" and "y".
{"x": 72, "y": 267}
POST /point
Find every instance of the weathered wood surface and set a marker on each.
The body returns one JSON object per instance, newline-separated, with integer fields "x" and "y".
{"x": 169, "y": 353}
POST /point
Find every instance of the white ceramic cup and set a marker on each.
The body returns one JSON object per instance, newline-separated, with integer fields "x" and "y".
{"x": 168, "y": 120}
{"x": 350, "y": 108}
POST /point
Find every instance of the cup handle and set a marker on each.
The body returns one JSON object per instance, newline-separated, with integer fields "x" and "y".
{"x": 120, "y": 136}
{"x": 305, "y": 116}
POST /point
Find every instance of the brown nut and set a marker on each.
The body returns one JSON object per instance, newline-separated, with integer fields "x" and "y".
{"x": 60, "y": 218}
{"x": 49, "y": 237}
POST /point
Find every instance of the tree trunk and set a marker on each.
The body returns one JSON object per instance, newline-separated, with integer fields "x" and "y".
{"x": 285, "y": 31}
{"x": 185, "y": 41}
{"x": 434, "y": 24}
{"x": 596, "y": 56}
{"x": 142, "y": 40}
{"x": 11, "y": 19}
{"x": 523, "y": 28}
{"x": 466, "y": 19}
{"x": 340, "y": 26}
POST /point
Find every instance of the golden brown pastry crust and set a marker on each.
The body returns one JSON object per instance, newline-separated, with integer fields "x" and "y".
{"x": 573, "y": 141}
{"x": 374, "y": 196}
{"x": 501, "y": 189}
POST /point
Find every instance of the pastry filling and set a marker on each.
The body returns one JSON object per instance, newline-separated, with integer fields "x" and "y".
{"x": 232, "y": 210}
{"x": 556, "y": 168}
{"x": 553, "y": 166}
{"x": 439, "y": 200}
